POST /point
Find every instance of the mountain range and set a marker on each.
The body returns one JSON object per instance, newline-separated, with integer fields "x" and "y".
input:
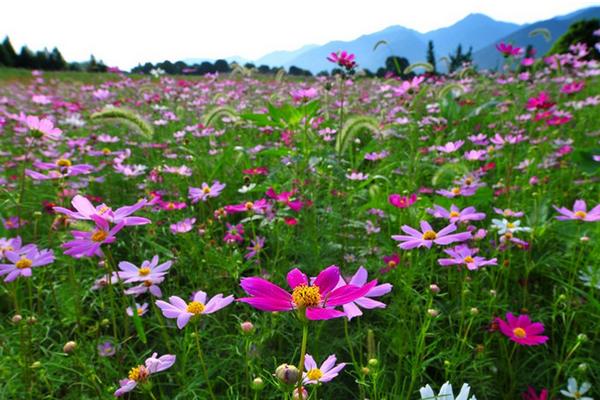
{"x": 478, "y": 31}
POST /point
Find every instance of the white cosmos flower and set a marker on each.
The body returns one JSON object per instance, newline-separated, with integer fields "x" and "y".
{"x": 590, "y": 278}
{"x": 247, "y": 188}
{"x": 575, "y": 392}
{"x": 504, "y": 226}
{"x": 446, "y": 393}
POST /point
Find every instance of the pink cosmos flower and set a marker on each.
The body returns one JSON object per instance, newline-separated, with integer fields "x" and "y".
{"x": 148, "y": 270}
{"x": 450, "y": 147}
{"x": 325, "y": 373}
{"x": 14, "y": 245}
{"x": 574, "y": 87}
{"x": 391, "y": 262}
{"x": 256, "y": 246}
{"x": 140, "y": 309}
{"x": 259, "y": 207}
{"x": 579, "y": 212}
{"x": 43, "y": 128}
{"x": 541, "y": 102}
{"x": 141, "y": 373}
{"x": 456, "y": 214}
{"x": 359, "y": 279}
{"x": 147, "y": 286}
{"x": 357, "y": 176}
{"x": 205, "y": 192}
{"x": 402, "y": 201}
{"x": 428, "y": 237}
{"x": 161, "y": 204}
{"x": 85, "y": 210}
{"x": 531, "y": 394}
{"x": 316, "y": 301}
{"x": 13, "y": 222}
{"x": 88, "y": 243}
{"x": 343, "y": 59}
{"x": 285, "y": 198}
{"x": 457, "y": 191}
{"x": 521, "y": 330}
{"x": 21, "y": 263}
{"x": 463, "y": 255}
{"x": 182, "y": 311}
{"x": 508, "y": 212}
{"x": 235, "y": 233}
{"x": 508, "y": 50}
{"x": 304, "y": 95}
{"x": 183, "y": 226}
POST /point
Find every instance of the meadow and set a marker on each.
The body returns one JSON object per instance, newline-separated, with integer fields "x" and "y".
{"x": 241, "y": 236}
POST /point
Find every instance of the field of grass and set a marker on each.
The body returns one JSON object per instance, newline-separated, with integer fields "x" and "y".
{"x": 471, "y": 201}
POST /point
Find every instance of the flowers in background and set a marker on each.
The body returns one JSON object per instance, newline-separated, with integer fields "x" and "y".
{"x": 88, "y": 243}
{"x": 177, "y": 308}
{"x": 399, "y": 201}
{"x": 183, "y": 226}
{"x": 85, "y": 210}
{"x": 205, "y": 191}
{"x": 446, "y": 393}
{"x": 140, "y": 309}
{"x": 456, "y": 214}
{"x": 579, "y": 212}
{"x": 359, "y": 279}
{"x": 576, "y": 392}
{"x": 21, "y": 263}
{"x": 428, "y": 236}
{"x": 149, "y": 270}
{"x": 314, "y": 374}
{"x": 521, "y": 330}
{"x": 463, "y": 255}
{"x": 531, "y": 394}
{"x": 141, "y": 373}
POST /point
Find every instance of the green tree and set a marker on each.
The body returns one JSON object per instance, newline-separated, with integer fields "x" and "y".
{"x": 431, "y": 56}
{"x": 8, "y": 54}
{"x": 459, "y": 58}
{"x": 579, "y": 32}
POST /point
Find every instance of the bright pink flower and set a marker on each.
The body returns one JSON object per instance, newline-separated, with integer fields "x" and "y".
{"x": 579, "y": 212}
{"x": 235, "y": 233}
{"x": 391, "y": 262}
{"x": 259, "y": 207}
{"x": 402, "y": 201}
{"x": 541, "y": 102}
{"x": 428, "y": 237}
{"x": 531, "y": 394}
{"x": 343, "y": 59}
{"x": 574, "y": 87}
{"x": 521, "y": 330}
{"x": 182, "y": 311}
{"x": 316, "y": 301}
{"x": 508, "y": 50}
{"x": 304, "y": 95}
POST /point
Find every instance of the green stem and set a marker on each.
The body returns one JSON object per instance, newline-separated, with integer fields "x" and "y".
{"x": 353, "y": 357}
{"x": 201, "y": 357}
{"x": 302, "y": 355}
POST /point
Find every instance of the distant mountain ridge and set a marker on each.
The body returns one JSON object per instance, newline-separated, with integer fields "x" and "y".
{"x": 478, "y": 31}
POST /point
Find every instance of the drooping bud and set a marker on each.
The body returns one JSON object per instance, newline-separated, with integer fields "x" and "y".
{"x": 247, "y": 326}
{"x": 16, "y": 318}
{"x": 435, "y": 289}
{"x": 69, "y": 346}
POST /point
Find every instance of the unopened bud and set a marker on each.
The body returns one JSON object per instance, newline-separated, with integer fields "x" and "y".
{"x": 105, "y": 322}
{"x": 373, "y": 362}
{"x": 296, "y": 394}
{"x": 31, "y": 320}
{"x": 247, "y": 326}
{"x": 365, "y": 370}
{"x": 583, "y": 367}
{"x": 69, "y": 346}
{"x": 435, "y": 289}
{"x": 582, "y": 337}
{"x": 433, "y": 312}
{"x": 258, "y": 384}
{"x": 474, "y": 311}
{"x": 36, "y": 365}
{"x": 287, "y": 374}
{"x": 16, "y": 318}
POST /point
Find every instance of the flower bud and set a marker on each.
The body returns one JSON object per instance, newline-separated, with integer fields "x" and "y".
{"x": 287, "y": 374}
{"x": 474, "y": 311}
{"x": 435, "y": 289}
{"x": 36, "y": 365}
{"x": 433, "y": 312}
{"x": 258, "y": 384}
{"x": 69, "y": 346}
{"x": 493, "y": 293}
{"x": 373, "y": 362}
{"x": 31, "y": 320}
{"x": 582, "y": 337}
{"x": 583, "y": 367}
{"x": 16, "y": 318}
{"x": 365, "y": 370}
{"x": 105, "y": 322}
{"x": 296, "y": 394}
{"x": 247, "y": 326}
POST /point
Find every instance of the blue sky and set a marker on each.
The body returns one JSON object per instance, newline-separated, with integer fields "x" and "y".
{"x": 125, "y": 32}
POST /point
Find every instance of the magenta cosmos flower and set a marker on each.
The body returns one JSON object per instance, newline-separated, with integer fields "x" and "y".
{"x": 352, "y": 309}
{"x": 326, "y": 372}
{"x": 21, "y": 263}
{"x": 455, "y": 214}
{"x": 521, "y": 330}
{"x": 316, "y": 301}
{"x": 149, "y": 270}
{"x": 402, "y": 201}
{"x": 428, "y": 237}
{"x": 178, "y": 308}
{"x": 463, "y": 255}
{"x": 205, "y": 192}
{"x": 141, "y": 373}
{"x": 343, "y": 59}
{"x": 88, "y": 243}
{"x": 579, "y": 212}
{"x": 508, "y": 49}
{"x": 86, "y": 211}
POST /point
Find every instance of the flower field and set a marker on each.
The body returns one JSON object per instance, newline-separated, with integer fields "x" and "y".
{"x": 239, "y": 236}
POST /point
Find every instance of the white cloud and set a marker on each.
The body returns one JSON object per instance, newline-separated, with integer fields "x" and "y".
{"x": 125, "y": 32}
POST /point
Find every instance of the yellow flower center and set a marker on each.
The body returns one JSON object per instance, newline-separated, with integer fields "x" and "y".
{"x": 170, "y": 205}
{"x": 392, "y": 263}
{"x": 148, "y": 283}
{"x": 306, "y": 296}
{"x": 577, "y": 394}
{"x": 454, "y": 214}
{"x": 429, "y": 235}
{"x": 249, "y": 205}
{"x": 508, "y": 235}
{"x": 314, "y": 374}
{"x": 580, "y": 214}
{"x": 24, "y": 263}
{"x": 140, "y": 311}
{"x": 455, "y": 190}
{"x": 507, "y": 212}
{"x": 468, "y": 181}
{"x": 491, "y": 149}
{"x": 206, "y": 189}
{"x": 195, "y": 307}
{"x": 63, "y": 162}
{"x": 144, "y": 271}
{"x": 520, "y": 333}
{"x": 469, "y": 259}
{"x": 138, "y": 373}
{"x": 103, "y": 209}
{"x": 510, "y": 225}
{"x": 106, "y": 151}
{"x": 99, "y": 236}
{"x": 7, "y": 248}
